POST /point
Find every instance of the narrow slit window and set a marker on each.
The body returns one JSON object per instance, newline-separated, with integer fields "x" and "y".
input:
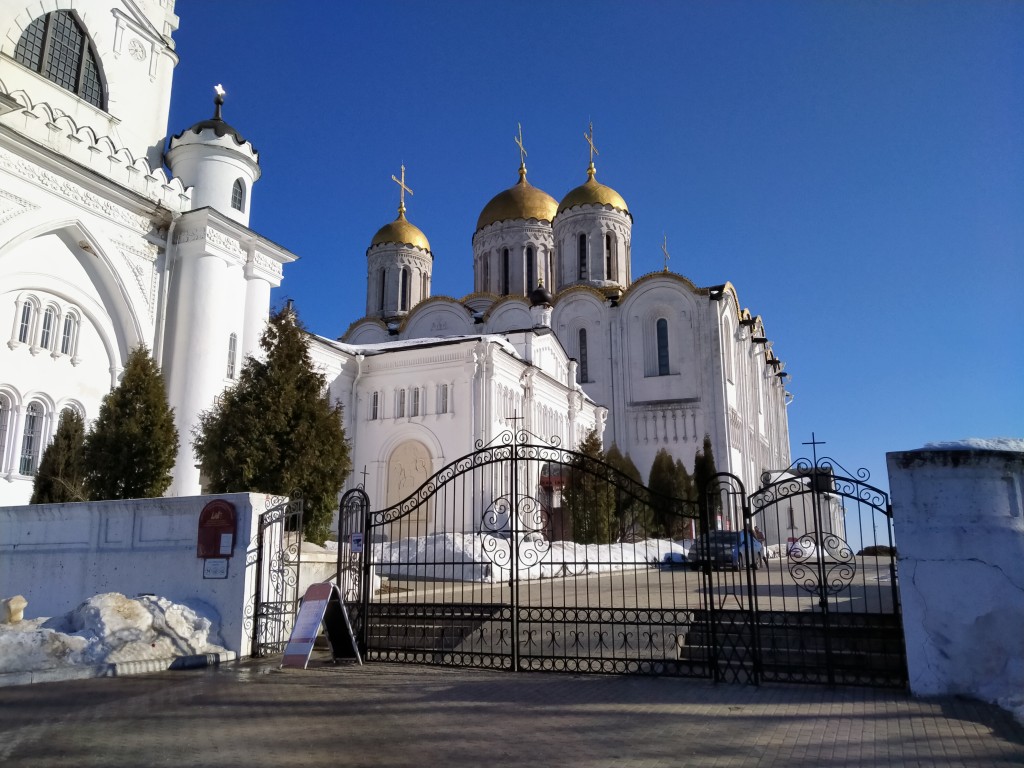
{"x": 30, "y": 439}
{"x": 504, "y": 272}
{"x": 5, "y": 420}
{"x": 662, "y": 332}
{"x": 67, "y": 340}
{"x": 232, "y": 353}
{"x": 404, "y": 292}
{"x": 400, "y": 411}
{"x": 608, "y": 257}
{"x": 374, "y": 406}
{"x": 531, "y": 270}
{"x": 25, "y": 326}
{"x": 414, "y": 406}
{"x": 49, "y": 319}
{"x": 582, "y": 256}
{"x": 442, "y": 398}
{"x": 582, "y": 370}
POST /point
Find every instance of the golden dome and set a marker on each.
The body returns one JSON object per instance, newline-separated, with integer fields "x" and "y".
{"x": 400, "y": 231}
{"x": 593, "y": 193}
{"x": 522, "y": 201}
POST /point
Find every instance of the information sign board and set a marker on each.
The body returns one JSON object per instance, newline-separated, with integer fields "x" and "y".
{"x": 322, "y": 604}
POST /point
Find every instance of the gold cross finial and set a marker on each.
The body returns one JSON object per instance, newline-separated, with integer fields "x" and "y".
{"x": 664, "y": 249}
{"x": 522, "y": 149}
{"x": 402, "y": 190}
{"x": 590, "y": 140}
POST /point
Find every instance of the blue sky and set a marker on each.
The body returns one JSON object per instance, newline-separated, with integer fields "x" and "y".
{"x": 856, "y": 169}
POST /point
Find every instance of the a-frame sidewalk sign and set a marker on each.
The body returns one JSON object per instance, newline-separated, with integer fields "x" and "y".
{"x": 322, "y": 604}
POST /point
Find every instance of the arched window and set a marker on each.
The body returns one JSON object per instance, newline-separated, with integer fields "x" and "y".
{"x": 238, "y": 195}
{"x": 232, "y": 352}
{"x": 486, "y": 286}
{"x": 383, "y": 283}
{"x": 442, "y": 399}
{"x": 414, "y": 406}
{"x": 5, "y": 422}
{"x": 403, "y": 296}
{"x": 582, "y": 370}
{"x": 582, "y": 256}
{"x": 531, "y": 270}
{"x": 49, "y": 320}
{"x": 729, "y": 351}
{"x": 608, "y": 257}
{"x": 504, "y": 272}
{"x": 662, "y": 331}
{"x": 25, "y": 325}
{"x": 400, "y": 410}
{"x": 70, "y": 335}
{"x": 56, "y": 47}
{"x": 374, "y": 406}
{"x": 30, "y": 439}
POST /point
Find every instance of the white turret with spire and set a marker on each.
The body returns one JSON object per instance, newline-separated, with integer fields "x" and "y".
{"x": 218, "y": 163}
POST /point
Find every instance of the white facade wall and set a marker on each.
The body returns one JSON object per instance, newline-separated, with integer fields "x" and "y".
{"x": 58, "y": 555}
{"x": 959, "y": 526}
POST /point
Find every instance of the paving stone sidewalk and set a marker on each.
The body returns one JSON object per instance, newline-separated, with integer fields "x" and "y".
{"x": 254, "y": 714}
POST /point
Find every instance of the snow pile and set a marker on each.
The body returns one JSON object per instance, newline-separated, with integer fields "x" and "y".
{"x": 486, "y": 558}
{"x": 106, "y": 629}
{"x": 1015, "y": 444}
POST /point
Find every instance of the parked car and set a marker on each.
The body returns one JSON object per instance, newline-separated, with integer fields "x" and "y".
{"x": 675, "y": 560}
{"x": 728, "y": 549}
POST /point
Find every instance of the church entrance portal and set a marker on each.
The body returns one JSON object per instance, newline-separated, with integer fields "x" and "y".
{"x": 570, "y": 565}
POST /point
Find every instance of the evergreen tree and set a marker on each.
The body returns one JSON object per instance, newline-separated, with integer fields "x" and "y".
{"x": 61, "y": 474}
{"x": 276, "y": 431}
{"x": 664, "y": 484}
{"x": 709, "y": 500}
{"x": 588, "y": 496}
{"x": 634, "y": 516}
{"x": 132, "y": 447}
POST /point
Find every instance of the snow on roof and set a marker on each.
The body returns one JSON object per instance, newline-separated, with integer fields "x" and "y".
{"x": 391, "y": 346}
{"x": 1015, "y": 444}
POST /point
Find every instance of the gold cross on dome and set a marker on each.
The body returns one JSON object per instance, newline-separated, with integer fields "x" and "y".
{"x": 664, "y": 249}
{"x": 590, "y": 140}
{"x": 519, "y": 143}
{"x": 402, "y": 190}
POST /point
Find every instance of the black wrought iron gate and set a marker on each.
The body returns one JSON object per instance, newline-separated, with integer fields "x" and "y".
{"x": 276, "y": 553}
{"x": 527, "y": 556}
{"x": 814, "y": 596}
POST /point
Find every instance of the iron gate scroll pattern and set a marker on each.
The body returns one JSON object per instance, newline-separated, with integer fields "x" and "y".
{"x": 827, "y": 603}
{"x": 276, "y": 552}
{"x": 527, "y": 556}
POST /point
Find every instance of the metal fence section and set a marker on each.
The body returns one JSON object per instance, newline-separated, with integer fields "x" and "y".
{"x": 526, "y": 556}
{"x": 278, "y": 558}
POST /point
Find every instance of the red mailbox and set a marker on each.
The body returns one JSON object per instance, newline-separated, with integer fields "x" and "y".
{"x": 216, "y": 530}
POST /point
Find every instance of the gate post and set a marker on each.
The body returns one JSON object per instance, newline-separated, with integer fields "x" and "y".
{"x": 704, "y": 508}
{"x": 514, "y": 547}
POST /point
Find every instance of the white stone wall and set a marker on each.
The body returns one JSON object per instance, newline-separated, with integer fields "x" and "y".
{"x": 58, "y": 555}
{"x": 959, "y": 526}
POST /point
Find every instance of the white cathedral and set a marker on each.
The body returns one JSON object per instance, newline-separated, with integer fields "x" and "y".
{"x": 114, "y": 235}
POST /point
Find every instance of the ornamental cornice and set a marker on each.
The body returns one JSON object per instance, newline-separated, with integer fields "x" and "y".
{"x": 72, "y": 192}
{"x": 267, "y": 264}
{"x": 12, "y": 205}
{"x": 210, "y": 236}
